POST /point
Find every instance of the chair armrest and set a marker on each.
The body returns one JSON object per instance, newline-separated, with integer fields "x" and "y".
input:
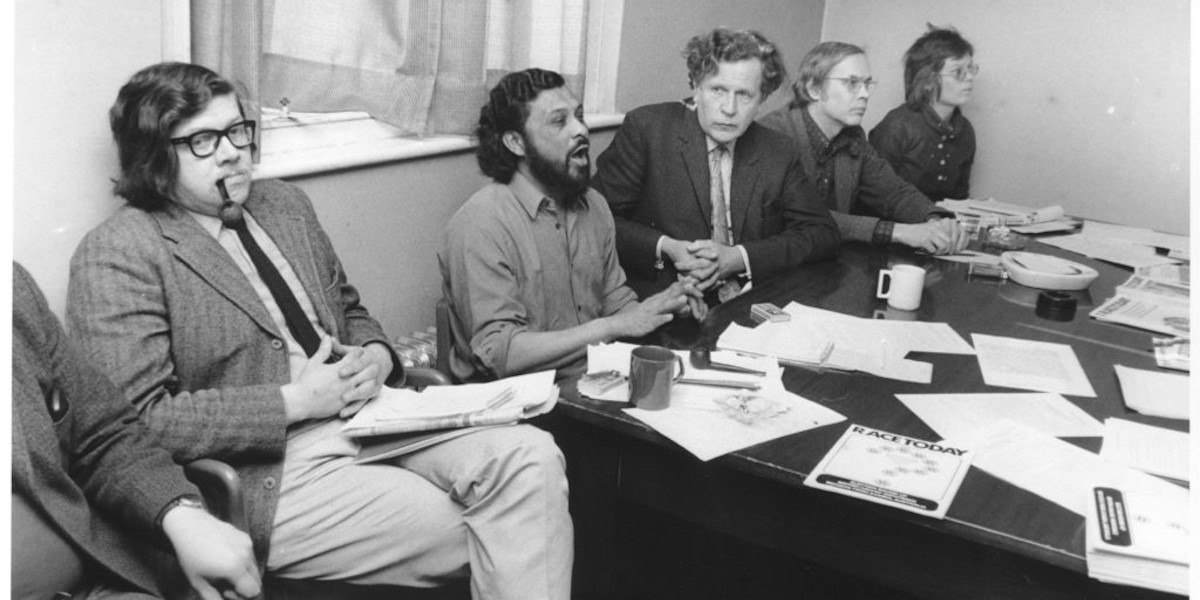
{"x": 221, "y": 487}
{"x": 419, "y": 377}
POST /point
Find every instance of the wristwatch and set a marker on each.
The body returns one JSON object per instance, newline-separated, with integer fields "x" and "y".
{"x": 186, "y": 500}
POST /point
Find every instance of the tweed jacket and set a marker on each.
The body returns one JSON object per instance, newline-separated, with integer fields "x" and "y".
{"x": 79, "y": 455}
{"x": 655, "y": 177}
{"x": 866, "y": 189}
{"x": 164, "y": 309}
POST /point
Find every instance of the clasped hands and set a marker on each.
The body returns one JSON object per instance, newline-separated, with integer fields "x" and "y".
{"x": 705, "y": 262}
{"x": 341, "y": 387}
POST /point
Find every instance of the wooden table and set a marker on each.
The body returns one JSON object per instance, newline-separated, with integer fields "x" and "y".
{"x": 996, "y": 541}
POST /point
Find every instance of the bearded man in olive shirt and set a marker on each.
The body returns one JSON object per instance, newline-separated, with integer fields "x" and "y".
{"x": 529, "y": 266}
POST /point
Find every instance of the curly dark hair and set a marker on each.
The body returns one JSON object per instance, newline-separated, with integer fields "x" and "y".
{"x": 506, "y": 110}
{"x": 148, "y": 107}
{"x": 923, "y": 63}
{"x": 705, "y": 51}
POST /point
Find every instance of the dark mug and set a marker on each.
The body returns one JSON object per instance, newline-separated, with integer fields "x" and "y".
{"x": 650, "y": 376}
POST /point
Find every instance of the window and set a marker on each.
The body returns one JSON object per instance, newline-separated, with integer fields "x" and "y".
{"x": 342, "y": 84}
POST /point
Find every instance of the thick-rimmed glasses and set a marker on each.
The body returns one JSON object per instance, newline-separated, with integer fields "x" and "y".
{"x": 204, "y": 143}
{"x": 960, "y": 73}
{"x": 855, "y": 84}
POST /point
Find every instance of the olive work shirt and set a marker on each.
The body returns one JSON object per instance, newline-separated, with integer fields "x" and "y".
{"x": 511, "y": 261}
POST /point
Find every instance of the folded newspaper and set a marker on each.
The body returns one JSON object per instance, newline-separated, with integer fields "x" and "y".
{"x": 445, "y": 407}
{"x": 1001, "y": 213}
{"x": 1149, "y": 304}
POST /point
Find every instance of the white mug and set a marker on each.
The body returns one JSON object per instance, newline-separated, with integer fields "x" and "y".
{"x": 904, "y": 284}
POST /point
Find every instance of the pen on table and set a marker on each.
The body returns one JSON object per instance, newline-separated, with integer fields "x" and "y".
{"x": 745, "y": 385}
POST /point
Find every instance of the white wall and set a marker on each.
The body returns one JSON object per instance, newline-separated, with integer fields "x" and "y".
{"x": 70, "y": 60}
{"x": 1082, "y": 103}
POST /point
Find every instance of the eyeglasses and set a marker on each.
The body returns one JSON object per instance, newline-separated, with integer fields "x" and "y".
{"x": 960, "y": 73}
{"x": 855, "y": 84}
{"x": 204, "y": 143}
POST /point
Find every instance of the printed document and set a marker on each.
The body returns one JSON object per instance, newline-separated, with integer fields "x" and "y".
{"x": 1030, "y": 365}
{"x": 1058, "y": 471}
{"x": 952, "y": 415}
{"x": 894, "y": 470}
{"x": 1156, "y": 450}
{"x": 1154, "y": 393}
{"x": 1144, "y": 312}
{"x": 1135, "y": 235}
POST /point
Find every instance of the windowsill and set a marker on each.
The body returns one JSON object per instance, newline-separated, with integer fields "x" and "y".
{"x": 290, "y": 151}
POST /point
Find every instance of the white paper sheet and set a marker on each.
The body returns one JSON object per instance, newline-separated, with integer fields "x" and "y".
{"x": 1154, "y": 393}
{"x": 952, "y": 415}
{"x": 695, "y": 421}
{"x": 970, "y": 256}
{"x": 1049, "y": 467}
{"x": 1147, "y": 448}
{"x": 1030, "y": 365}
{"x": 1114, "y": 251}
{"x": 1135, "y": 235}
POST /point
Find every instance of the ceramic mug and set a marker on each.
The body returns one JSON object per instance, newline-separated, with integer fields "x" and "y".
{"x": 904, "y": 284}
{"x": 650, "y": 376}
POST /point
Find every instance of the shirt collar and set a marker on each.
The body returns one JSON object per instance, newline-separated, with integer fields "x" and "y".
{"x": 951, "y": 127}
{"x": 210, "y": 223}
{"x": 531, "y": 199}
{"x": 849, "y": 139}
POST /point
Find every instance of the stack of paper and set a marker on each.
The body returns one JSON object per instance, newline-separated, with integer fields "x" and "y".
{"x": 1109, "y": 249}
{"x": 447, "y": 407}
{"x": 1156, "y": 450}
{"x": 815, "y": 336}
{"x": 1154, "y": 393}
{"x": 1138, "y": 538}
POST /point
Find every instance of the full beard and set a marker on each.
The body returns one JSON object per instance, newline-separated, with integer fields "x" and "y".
{"x": 559, "y": 177}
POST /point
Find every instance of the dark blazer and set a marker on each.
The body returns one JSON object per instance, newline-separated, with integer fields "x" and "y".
{"x": 79, "y": 456}
{"x": 163, "y": 308}
{"x": 655, "y": 178}
{"x": 865, "y": 187}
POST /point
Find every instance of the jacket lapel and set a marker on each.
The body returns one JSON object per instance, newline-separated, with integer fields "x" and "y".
{"x": 694, "y": 152}
{"x": 745, "y": 176}
{"x": 201, "y": 253}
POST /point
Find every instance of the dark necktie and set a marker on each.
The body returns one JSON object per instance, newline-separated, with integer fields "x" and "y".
{"x": 297, "y": 322}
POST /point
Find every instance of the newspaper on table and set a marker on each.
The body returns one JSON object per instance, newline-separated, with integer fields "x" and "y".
{"x": 1176, "y": 274}
{"x": 894, "y": 470}
{"x": 1001, "y": 213}
{"x": 1150, "y": 304}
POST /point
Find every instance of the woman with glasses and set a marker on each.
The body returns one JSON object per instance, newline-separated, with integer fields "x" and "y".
{"x": 866, "y": 198}
{"x": 927, "y": 140}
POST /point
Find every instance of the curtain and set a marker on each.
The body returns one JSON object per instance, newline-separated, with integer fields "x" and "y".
{"x": 424, "y": 66}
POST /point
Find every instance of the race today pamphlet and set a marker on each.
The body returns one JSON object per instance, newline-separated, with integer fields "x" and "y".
{"x": 898, "y": 471}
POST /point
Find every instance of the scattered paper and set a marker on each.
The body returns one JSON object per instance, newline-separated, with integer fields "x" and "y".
{"x": 1154, "y": 393}
{"x": 1058, "y": 471}
{"x": 953, "y": 415}
{"x": 1155, "y": 450}
{"x": 1030, "y": 365}
{"x": 1114, "y": 251}
{"x": 898, "y": 471}
{"x": 699, "y": 418}
{"x": 1135, "y": 235}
